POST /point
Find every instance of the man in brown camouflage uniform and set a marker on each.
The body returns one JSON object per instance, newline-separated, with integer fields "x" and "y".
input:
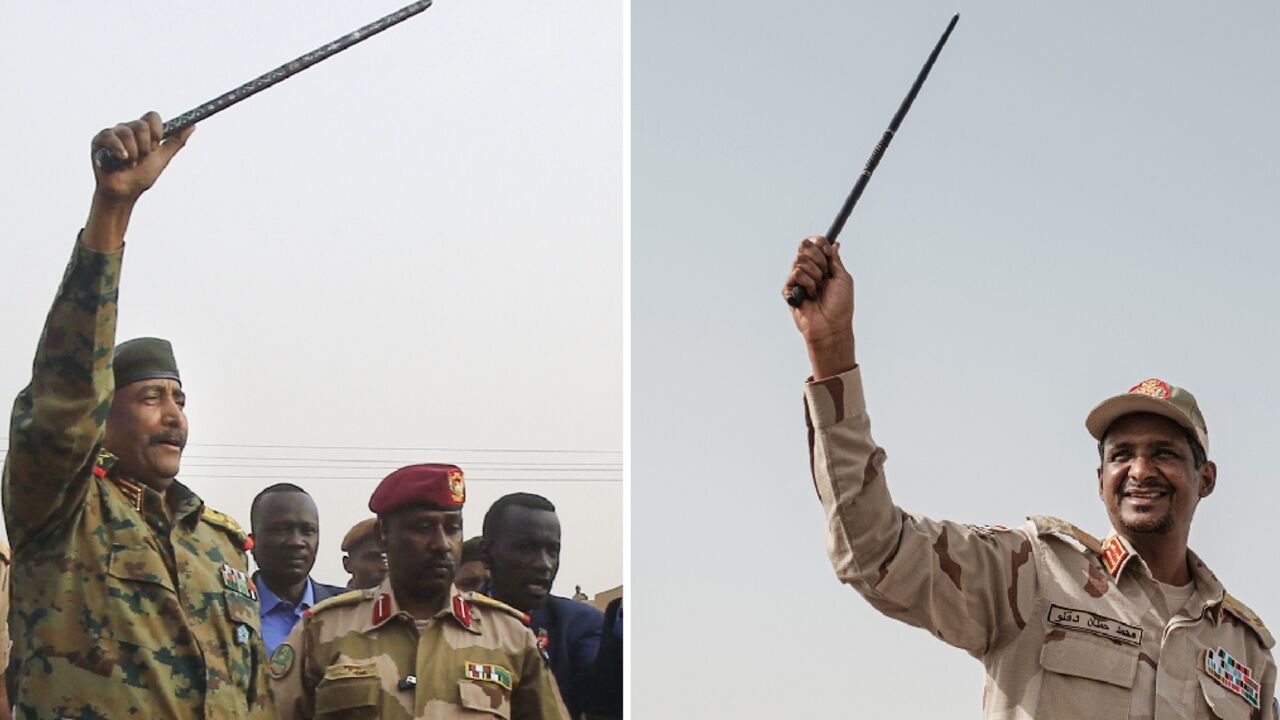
{"x": 415, "y": 647}
{"x": 1067, "y": 626}
{"x": 130, "y": 597}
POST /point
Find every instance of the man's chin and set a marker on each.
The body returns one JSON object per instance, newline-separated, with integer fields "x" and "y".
{"x": 1147, "y": 524}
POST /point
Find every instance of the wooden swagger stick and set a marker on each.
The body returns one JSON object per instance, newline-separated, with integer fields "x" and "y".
{"x": 109, "y": 162}
{"x": 797, "y": 294}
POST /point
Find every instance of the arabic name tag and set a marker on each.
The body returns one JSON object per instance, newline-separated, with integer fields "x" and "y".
{"x": 1096, "y": 624}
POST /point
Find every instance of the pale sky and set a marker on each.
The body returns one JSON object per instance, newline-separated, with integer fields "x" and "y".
{"x": 1083, "y": 196}
{"x": 414, "y": 244}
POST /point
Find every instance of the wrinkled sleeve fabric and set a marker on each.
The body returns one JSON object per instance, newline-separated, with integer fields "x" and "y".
{"x": 293, "y": 673}
{"x": 537, "y": 697}
{"x": 59, "y": 419}
{"x": 970, "y": 586}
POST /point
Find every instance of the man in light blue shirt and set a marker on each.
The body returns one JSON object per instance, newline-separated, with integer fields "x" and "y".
{"x": 286, "y": 535}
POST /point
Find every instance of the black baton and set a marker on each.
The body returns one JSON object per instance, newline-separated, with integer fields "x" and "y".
{"x": 109, "y": 162}
{"x": 796, "y": 295}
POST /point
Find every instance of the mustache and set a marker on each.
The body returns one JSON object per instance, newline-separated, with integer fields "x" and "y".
{"x": 172, "y": 437}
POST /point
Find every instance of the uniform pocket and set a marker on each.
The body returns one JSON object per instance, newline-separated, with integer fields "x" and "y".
{"x": 485, "y": 697}
{"x": 349, "y": 692}
{"x": 1086, "y": 677}
{"x": 1222, "y": 702}
{"x": 139, "y": 564}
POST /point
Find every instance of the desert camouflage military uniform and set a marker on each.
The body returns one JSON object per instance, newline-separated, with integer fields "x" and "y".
{"x": 1067, "y": 626}
{"x": 350, "y": 657}
{"x": 117, "y": 612}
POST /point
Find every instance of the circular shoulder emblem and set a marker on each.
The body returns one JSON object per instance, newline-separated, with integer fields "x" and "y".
{"x": 1155, "y": 388}
{"x": 281, "y": 661}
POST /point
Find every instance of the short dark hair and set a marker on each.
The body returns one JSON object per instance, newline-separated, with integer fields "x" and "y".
{"x": 1197, "y": 450}
{"x": 473, "y": 549}
{"x": 494, "y": 516}
{"x": 277, "y": 488}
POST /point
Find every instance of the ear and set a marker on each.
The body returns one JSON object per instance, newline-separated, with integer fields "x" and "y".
{"x": 382, "y": 532}
{"x": 346, "y": 564}
{"x": 1100, "y": 496}
{"x": 1208, "y": 478}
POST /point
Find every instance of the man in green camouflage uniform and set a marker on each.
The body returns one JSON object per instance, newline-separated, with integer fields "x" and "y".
{"x": 130, "y": 597}
{"x": 415, "y": 647}
{"x": 1067, "y": 626}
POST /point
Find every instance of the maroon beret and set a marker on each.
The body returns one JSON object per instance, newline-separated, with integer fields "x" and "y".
{"x": 432, "y": 484}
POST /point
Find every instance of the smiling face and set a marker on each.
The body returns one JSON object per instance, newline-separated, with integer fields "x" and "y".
{"x": 1148, "y": 479}
{"x": 524, "y": 556}
{"x": 147, "y": 430}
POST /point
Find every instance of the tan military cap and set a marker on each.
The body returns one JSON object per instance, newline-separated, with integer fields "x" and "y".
{"x": 1150, "y": 396}
{"x": 360, "y": 533}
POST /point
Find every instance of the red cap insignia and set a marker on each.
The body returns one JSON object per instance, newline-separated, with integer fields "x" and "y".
{"x": 457, "y": 491}
{"x": 1155, "y": 388}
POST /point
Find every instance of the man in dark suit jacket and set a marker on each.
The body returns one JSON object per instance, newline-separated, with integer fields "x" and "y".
{"x": 286, "y": 535}
{"x": 522, "y": 550}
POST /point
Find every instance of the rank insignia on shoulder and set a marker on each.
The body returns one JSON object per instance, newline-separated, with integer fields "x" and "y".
{"x": 238, "y": 582}
{"x": 489, "y": 673}
{"x": 1114, "y": 553}
{"x": 282, "y": 661}
{"x": 462, "y": 610}
{"x": 1232, "y": 675}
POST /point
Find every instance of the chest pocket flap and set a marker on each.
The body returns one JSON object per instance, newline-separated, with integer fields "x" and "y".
{"x": 1224, "y": 703}
{"x": 139, "y": 564}
{"x": 349, "y": 691}
{"x": 485, "y": 697}
{"x": 241, "y": 609}
{"x": 1097, "y": 660}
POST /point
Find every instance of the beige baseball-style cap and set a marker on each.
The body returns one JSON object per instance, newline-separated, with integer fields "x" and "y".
{"x": 1150, "y": 396}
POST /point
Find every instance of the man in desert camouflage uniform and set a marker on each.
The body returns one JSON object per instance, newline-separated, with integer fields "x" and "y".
{"x": 1067, "y": 626}
{"x": 415, "y": 646}
{"x": 130, "y": 597}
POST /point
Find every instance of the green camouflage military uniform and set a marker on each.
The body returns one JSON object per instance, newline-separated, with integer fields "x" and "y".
{"x": 117, "y": 612}
{"x": 1066, "y": 626}
{"x": 350, "y": 655}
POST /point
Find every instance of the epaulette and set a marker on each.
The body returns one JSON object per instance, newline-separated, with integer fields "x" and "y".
{"x": 350, "y": 597}
{"x": 485, "y": 600}
{"x": 1249, "y": 617}
{"x": 1064, "y": 530}
{"x": 232, "y": 528}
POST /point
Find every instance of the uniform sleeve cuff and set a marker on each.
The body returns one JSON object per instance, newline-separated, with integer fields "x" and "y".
{"x": 828, "y": 401}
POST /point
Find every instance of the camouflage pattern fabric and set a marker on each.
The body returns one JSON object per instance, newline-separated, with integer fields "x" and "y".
{"x": 117, "y": 612}
{"x": 1066, "y": 626}
{"x": 352, "y": 655}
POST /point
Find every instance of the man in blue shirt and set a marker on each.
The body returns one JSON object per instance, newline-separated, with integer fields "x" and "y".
{"x": 286, "y": 535}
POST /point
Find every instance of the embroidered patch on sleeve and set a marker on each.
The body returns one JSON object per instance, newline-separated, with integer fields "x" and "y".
{"x": 489, "y": 673}
{"x": 281, "y": 661}
{"x": 1096, "y": 624}
{"x": 1232, "y": 675}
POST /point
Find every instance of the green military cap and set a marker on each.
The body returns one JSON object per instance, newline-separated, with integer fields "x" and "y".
{"x": 144, "y": 358}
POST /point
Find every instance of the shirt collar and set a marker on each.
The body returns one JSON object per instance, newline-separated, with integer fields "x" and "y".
{"x": 270, "y": 600}
{"x": 385, "y": 608}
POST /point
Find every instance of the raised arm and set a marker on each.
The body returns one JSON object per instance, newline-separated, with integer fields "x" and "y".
{"x": 971, "y": 587}
{"x": 59, "y": 418}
